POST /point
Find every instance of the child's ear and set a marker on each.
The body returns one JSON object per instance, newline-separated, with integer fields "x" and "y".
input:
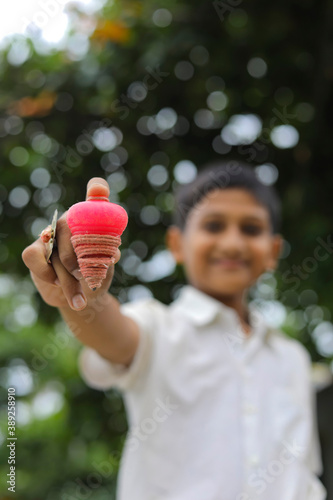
{"x": 173, "y": 240}
{"x": 276, "y": 250}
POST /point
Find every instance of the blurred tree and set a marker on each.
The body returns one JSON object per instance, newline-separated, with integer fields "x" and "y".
{"x": 143, "y": 94}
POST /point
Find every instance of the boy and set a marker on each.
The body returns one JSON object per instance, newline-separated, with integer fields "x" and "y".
{"x": 219, "y": 405}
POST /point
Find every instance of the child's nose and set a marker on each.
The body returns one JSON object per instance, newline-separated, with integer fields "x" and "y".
{"x": 231, "y": 240}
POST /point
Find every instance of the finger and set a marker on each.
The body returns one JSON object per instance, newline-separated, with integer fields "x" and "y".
{"x": 70, "y": 286}
{"x": 34, "y": 257}
{"x": 66, "y": 252}
{"x": 98, "y": 187}
{"x": 117, "y": 256}
{"x": 51, "y": 294}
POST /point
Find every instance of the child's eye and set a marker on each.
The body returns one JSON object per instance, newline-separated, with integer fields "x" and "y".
{"x": 252, "y": 229}
{"x": 213, "y": 227}
{"x": 217, "y": 226}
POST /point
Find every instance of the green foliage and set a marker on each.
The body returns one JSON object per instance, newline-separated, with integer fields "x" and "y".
{"x": 67, "y": 432}
{"x": 55, "y": 108}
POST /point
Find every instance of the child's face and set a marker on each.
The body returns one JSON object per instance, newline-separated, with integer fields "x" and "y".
{"x": 226, "y": 244}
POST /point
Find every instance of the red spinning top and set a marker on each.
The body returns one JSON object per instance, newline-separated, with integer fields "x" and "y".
{"x": 96, "y": 226}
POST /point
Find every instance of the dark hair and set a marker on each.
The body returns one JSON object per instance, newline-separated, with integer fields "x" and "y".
{"x": 224, "y": 175}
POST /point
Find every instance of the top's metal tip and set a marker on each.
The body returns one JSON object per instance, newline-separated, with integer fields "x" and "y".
{"x": 93, "y": 289}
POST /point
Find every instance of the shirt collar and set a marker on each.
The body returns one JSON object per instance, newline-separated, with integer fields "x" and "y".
{"x": 201, "y": 309}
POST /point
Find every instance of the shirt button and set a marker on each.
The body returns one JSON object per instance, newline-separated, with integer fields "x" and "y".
{"x": 247, "y": 372}
{"x": 250, "y": 409}
{"x": 253, "y": 460}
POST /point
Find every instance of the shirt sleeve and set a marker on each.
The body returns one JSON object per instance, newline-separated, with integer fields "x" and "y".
{"x": 314, "y": 460}
{"x": 101, "y": 374}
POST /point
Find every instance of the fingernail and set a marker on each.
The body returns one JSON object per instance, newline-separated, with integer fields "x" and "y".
{"x": 78, "y": 301}
{"x": 77, "y": 274}
{"x": 57, "y": 282}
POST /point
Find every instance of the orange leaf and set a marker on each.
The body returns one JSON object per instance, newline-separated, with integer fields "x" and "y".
{"x": 116, "y": 31}
{"x": 34, "y": 106}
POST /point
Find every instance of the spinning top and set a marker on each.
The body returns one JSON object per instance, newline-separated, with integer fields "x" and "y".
{"x": 96, "y": 226}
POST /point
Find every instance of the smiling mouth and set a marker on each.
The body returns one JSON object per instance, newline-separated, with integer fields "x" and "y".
{"x": 229, "y": 263}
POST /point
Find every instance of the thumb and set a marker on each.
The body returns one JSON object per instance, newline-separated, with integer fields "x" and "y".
{"x": 97, "y": 186}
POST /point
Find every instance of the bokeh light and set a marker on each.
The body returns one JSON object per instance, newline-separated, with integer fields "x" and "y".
{"x": 19, "y": 52}
{"x": 19, "y": 156}
{"x": 267, "y": 173}
{"x": 185, "y": 171}
{"x": 162, "y": 18}
{"x": 199, "y": 55}
{"x": 137, "y": 91}
{"x": 257, "y": 67}
{"x": 284, "y": 136}
{"x": 184, "y": 70}
{"x": 323, "y": 336}
{"x": 40, "y": 177}
{"x": 19, "y": 196}
{"x": 48, "y": 401}
{"x": 241, "y": 129}
{"x": 159, "y": 266}
{"x": 150, "y": 215}
{"x": 217, "y": 101}
{"x": 105, "y": 139}
{"x": 13, "y": 125}
{"x": 166, "y": 118}
{"x": 204, "y": 118}
{"x": 157, "y": 175}
{"x": 117, "y": 181}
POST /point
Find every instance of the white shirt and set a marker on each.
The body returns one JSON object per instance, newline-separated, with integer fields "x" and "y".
{"x": 213, "y": 414}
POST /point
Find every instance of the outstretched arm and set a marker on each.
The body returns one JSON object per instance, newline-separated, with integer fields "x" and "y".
{"x": 93, "y": 316}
